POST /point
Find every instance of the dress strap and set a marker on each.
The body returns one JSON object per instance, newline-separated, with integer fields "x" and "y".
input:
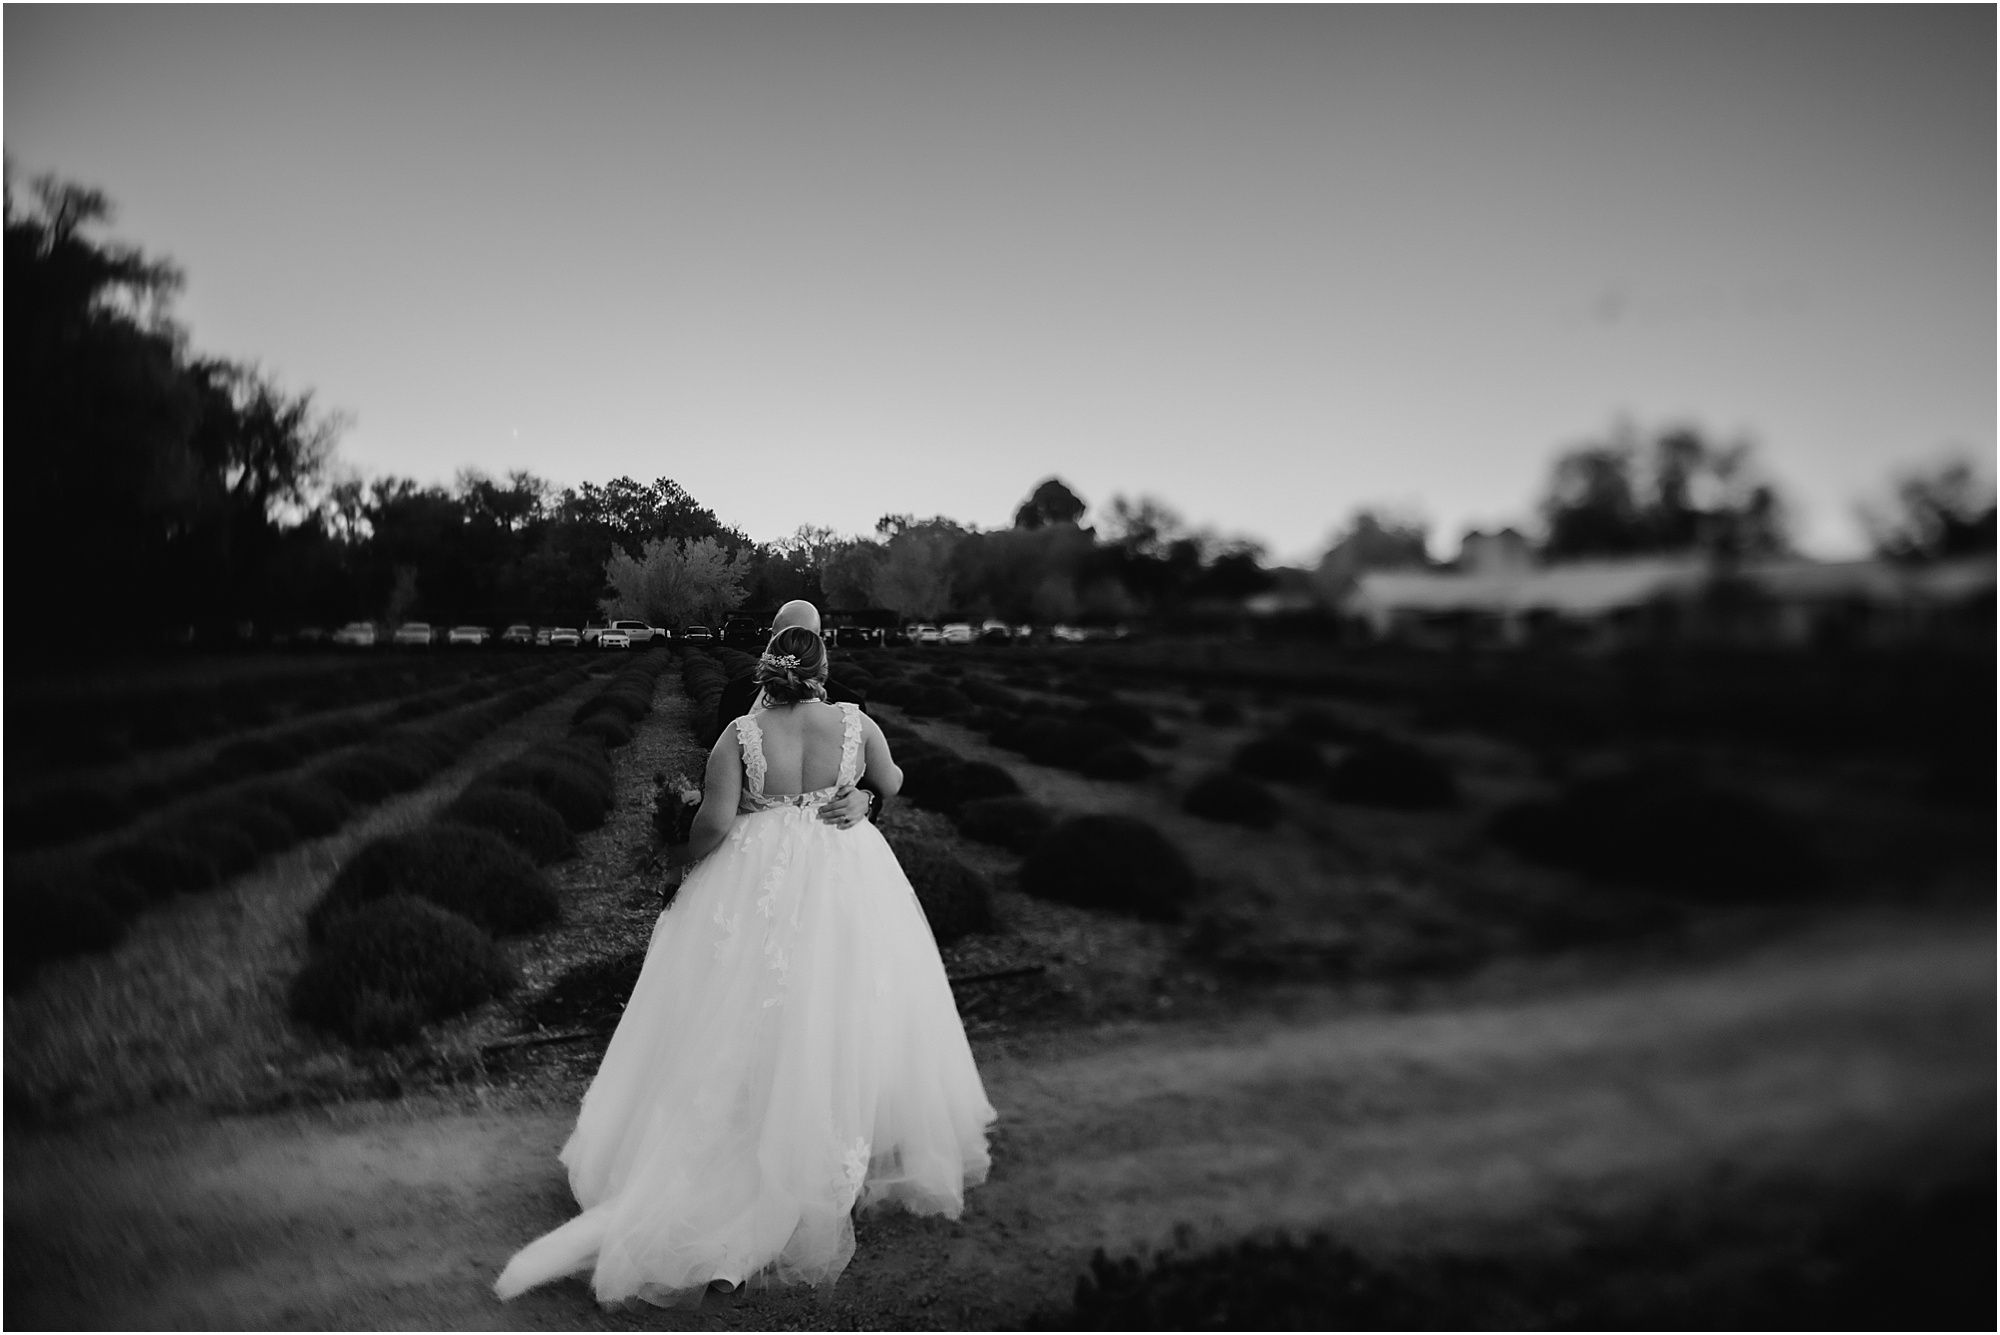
{"x": 850, "y": 743}
{"x": 750, "y": 737}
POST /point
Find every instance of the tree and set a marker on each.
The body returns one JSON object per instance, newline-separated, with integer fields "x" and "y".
{"x": 1681, "y": 493}
{"x": 1050, "y": 503}
{"x": 1373, "y": 539}
{"x": 1145, "y": 527}
{"x": 914, "y": 576}
{"x": 673, "y": 582}
{"x": 1938, "y": 513}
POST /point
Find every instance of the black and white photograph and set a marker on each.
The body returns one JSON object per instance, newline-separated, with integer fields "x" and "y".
{"x": 1000, "y": 667}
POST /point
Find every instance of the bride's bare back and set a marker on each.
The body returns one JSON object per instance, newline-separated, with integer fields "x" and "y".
{"x": 801, "y": 747}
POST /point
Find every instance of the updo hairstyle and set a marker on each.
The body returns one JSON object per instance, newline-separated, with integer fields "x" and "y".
{"x": 793, "y": 667}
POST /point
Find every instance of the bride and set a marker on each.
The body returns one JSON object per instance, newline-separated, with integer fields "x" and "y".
{"x": 791, "y": 1049}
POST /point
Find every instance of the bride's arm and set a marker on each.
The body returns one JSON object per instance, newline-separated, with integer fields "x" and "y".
{"x": 722, "y": 789}
{"x": 880, "y": 770}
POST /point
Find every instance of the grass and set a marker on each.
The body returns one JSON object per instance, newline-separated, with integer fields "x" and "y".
{"x": 192, "y": 1006}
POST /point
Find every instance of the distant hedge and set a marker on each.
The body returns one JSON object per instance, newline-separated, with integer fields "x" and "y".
{"x": 473, "y": 872}
{"x": 1391, "y": 774}
{"x": 1232, "y": 799}
{"x": 518, "y": 816}
{"x": 393, "y": 965}
{"x": 1013, "y": 823}
{"x": 955, "y": 898}
{"x": 1665, "y": 829}
{"x": 1111, "y": 862}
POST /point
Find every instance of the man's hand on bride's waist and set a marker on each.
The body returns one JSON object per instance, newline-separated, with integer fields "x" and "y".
{"x": 847, "y": 808}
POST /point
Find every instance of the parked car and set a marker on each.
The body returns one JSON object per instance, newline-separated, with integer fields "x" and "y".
{"x": 923, "y": 634}
{"x": 564, "y": 637}
{"x": 1024, "y": 632}
{"x": 697, "y": 635}
{"x": 358, "y": 634}
{"x": 995, "y": 632}
{"x": 414, "y": 633}
{"x": 958, "y": 632}
{"x": 518, "y": 634}
{"x": 853, "y": 637}
{"x": 591, "y": 630}
{"x": 1068, "y": 634}
{"x": 640, "y": 633}
{"x": 542, "y": 634}
{"x": 613, "y": 639}
{"x": 745, "y": 633}
{"x": 896, "y": 636}
{"x": 474, "y": 635}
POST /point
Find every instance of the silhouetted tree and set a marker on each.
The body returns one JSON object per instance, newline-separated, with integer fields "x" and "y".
{"x": 1942, "y": 512}
{"x": 1050, "y": 503}
{"x": 1372, "y": 540}
{"x": 1680, "y": 494}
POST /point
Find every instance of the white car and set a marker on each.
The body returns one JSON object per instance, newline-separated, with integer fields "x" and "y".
{"x": 467, "y": 635}
{"x": 613, "y": 639}
{"x": 413, "y": 632}
{"x": 564, "y": 637}
{"x": 638, "y": 632}
{"x": 360, "y": 634}
{"x": 959, "y": 632}
{"x": 995, "y": 632}
{"x": 1068, "y": 634}
{"x": 921, "y": 634}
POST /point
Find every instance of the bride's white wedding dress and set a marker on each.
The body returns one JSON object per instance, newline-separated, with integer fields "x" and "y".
{"x": 791, "y": 1050}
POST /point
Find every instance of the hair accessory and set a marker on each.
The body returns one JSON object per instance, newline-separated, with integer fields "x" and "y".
{"x": 787, "y": 662}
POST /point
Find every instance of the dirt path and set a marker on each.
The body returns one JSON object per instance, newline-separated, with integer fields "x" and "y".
{"x": 1828, "y": 1056}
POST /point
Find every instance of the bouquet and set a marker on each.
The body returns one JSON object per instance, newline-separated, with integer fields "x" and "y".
{"x": 675, "y": 802}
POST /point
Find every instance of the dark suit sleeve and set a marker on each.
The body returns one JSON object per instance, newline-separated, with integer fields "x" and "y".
{"x": 737, "y": 697}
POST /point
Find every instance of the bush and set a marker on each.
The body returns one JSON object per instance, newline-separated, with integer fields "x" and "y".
{"x": 565, "y": 782}
{"x": 608, "y": 728}
{"x": 358, "y": 778}
{"x": 1110, "y": 862}
{"x": 393, "y": 965}
{"x": 1064, "y": 742}
{"x": 55, "y": 917}
{"x": 941, "y": 781}
{"x": 955, "y": 898}
{"x": 472, "y": 872}
{"x": 1316, "y": 724}
{"x": 63, "y": 814}
{"x": 163, "y": 864}
{"x": 937, "y": 702}
{"x": 1390, "y": 774}
{"x": 519, "y": 817}
{"x": 1122, "y": 715}
{"x": 1013, "y": 823}
{"x": 1221, "y": 713}
{"x": 312, "y": 806}
{"x": 626, "y": 702}
{"x": 1117, "y": 762}
{"x": 267, "y": 830}
{"x": 1232, "y": 799}
{"x": 1666, "y": 830}
{"x": 1280, "y": 758}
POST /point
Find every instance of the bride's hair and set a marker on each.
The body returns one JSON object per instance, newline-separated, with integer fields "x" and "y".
{"x": 793, "y": 667}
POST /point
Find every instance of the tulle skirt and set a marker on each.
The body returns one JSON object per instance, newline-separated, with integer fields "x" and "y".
{"x": 791, "y": 1051}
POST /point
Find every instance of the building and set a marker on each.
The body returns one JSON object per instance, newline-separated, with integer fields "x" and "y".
{"x": 1603, "y": 604}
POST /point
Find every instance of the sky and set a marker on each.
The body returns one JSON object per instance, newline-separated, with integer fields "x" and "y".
{"x": 823, "y": 264}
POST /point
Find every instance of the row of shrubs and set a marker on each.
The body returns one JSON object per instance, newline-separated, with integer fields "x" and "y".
{"x": 111, "y": 727}
{"x": 77, "y": 810}
{"x": 86, "y": 905}
{"x": 406, "y": 933}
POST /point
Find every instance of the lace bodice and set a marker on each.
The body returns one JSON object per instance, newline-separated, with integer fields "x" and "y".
{"x": 750, "y": 737}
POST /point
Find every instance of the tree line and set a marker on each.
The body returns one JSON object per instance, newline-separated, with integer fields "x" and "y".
{"x": 173, "y": 492}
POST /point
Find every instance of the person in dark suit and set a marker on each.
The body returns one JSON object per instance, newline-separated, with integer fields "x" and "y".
{"x": 741, "y": 695}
